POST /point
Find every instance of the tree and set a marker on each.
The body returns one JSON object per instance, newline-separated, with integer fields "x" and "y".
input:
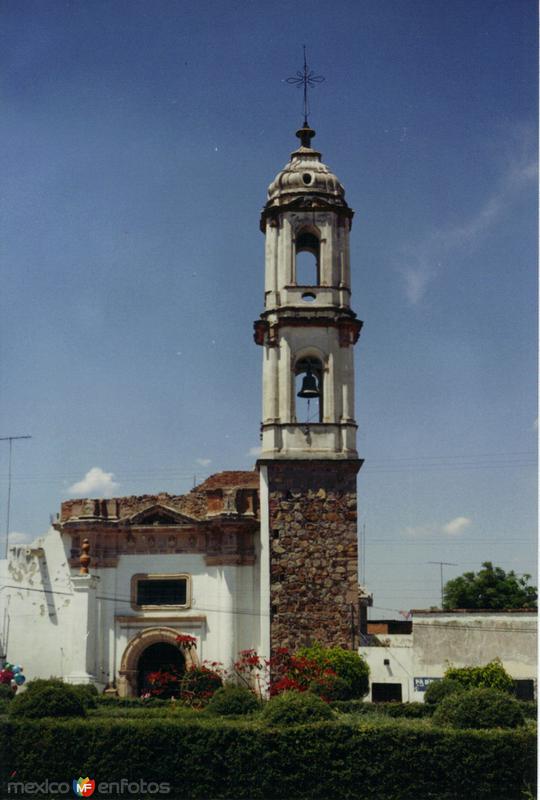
{"x": 491, "y": 587}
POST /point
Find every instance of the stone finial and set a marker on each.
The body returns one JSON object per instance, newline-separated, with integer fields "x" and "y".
{"x": 85, "y": 557}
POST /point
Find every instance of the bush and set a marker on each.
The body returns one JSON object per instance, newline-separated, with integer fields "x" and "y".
{"x": 4, "y": 705}
{"x": 405, "y": 710}
{"x": 6, "y": 692}
{"x": 479, "y": 708}
{"x": 296, "y": 708}
{"x": 233, "y": 700}
{"x": 529, "y": 708}
{"x": 330, "y": 687}
{"x": 87, "y": 694}
{"x": 347, "y": 665}
{"x": 199, "y": 684}
{"x": 437, "y": 690}
{"x": 164, "y": 684}
{"x": 221, "y": 758}
{"x": 48, "y": 701}
{"x": 491, "y": 676}
{"x": 391, "y": 709}
{"x": 41, "y": 683}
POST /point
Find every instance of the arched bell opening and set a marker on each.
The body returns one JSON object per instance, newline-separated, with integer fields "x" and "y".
{"x": 309, "y": 390}
{"x": 307, "y": 265}
{"x": 161, "y": 656}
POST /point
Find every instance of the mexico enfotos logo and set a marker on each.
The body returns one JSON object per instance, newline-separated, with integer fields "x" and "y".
{"x": 85, "y": 787}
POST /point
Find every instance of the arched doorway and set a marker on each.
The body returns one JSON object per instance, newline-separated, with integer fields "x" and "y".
{"x": 128, "y": 674}
{"x": 159, "y": 656}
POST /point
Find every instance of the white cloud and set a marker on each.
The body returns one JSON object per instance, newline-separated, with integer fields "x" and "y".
{"x": 419, "y": 530}
{"x": 456, "y": 525}
{"x": 424, "y": 260}
{"x": 16, "y": 537}
{"x": 95, "y": 482}
{"x": 254, "y": 451}
{"x": 204, "y": 462}
{"x": 452, "y": 528}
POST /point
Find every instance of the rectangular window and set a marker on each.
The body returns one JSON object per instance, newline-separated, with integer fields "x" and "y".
{"x": 160, "y": 591}
{"x": 385, "y": 692}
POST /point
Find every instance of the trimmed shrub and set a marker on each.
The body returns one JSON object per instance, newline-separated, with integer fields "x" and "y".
{"x": 439, "y": 689}
{"x": 232, "y": 701}
{"x": 529, "y": 708}
{"x": 6, "y": 692}
{"x": 330, "y": 687}
{"x": 404, "y": 710}
{"x": 390, "y": 709}
{"x": 490, "y": 676}
{"x": 479, "y": 708}
{"x": 4, "y": 705}
{"x": 347, "y": 665}
{"x": 221, "y": 758}
{"x": 40, "y": 683}
{"x": 48, "y": 701}
{"x": 87, "y": 694}
{"x": 199, "y": 684}
{"x": 295, "y": 708}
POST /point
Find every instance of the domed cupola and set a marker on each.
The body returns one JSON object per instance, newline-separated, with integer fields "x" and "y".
{"x": 305, "y": 183}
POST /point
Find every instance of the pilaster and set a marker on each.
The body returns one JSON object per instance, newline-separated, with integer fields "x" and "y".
{"x": 83, "y": 638}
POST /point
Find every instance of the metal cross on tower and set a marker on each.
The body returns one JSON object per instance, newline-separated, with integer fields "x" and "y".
{"x": 305, "y": 78}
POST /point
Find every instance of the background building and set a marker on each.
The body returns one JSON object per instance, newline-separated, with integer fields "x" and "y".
{"x": 405, "y": 656}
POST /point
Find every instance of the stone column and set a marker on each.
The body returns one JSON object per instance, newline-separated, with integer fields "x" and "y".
{"x": 83, "y": 634}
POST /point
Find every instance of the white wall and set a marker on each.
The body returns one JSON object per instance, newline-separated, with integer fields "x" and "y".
{"x": 440, "y": 639}
{"x": 46, "y": 631}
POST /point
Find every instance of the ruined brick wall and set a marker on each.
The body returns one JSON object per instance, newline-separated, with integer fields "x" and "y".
{"x": 313, "y": 552}
{"x": 204, "y": 498}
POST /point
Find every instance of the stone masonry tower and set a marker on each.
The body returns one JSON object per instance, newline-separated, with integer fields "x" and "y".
{"x": 309, "y": 462}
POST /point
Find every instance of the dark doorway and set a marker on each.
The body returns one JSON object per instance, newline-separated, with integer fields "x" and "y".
{"x": 385, "y": 692}
{"x": 161, "y": 656}
{"x": 524, "y": 689}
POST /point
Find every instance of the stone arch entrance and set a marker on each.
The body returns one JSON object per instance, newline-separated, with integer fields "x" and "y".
{"x": 129, "y": 668}
{"x": 160, "y": 655}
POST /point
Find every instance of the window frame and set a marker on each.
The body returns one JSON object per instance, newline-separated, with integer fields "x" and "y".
{"x": 154, "y": 576}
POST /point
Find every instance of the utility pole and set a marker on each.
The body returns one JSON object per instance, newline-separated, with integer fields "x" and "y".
{"x": 9, "y": 439}
{"x": 443, "y": 564}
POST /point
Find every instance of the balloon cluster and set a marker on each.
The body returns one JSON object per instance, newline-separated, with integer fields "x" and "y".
{"x": 12, "y": 675}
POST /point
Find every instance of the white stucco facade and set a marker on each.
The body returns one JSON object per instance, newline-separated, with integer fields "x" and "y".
{"x": 60, "y": 623}
{"x": 456, "y": 638}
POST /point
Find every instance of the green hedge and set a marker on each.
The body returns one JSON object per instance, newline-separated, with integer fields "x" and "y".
{"x": 410, "y": 710}
{"x": 479, "y": 708}
{"x": 222, "y": 760}
{"x": 529, "y": 708}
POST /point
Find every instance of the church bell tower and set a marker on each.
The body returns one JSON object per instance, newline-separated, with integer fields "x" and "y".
{"x": 308, "y": 462}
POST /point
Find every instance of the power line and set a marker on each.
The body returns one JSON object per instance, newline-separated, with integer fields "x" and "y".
{"x": 10, "y": 439}
{"x": 446, "y": 542}
{"x": 250, "y": 612}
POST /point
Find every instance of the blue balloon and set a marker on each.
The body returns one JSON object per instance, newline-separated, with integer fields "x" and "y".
{"x": 16, "y": 670}
{"x": 19, "y": 679}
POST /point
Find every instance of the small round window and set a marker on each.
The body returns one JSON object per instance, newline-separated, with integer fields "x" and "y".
{"x": 307, "y": 178}
{"x": 308, "y": 297}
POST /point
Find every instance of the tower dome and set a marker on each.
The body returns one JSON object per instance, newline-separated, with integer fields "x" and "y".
{"x": 305, "y": 182}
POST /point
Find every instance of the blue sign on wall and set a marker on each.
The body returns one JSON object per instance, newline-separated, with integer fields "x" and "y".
{"x": 421, "y": 684}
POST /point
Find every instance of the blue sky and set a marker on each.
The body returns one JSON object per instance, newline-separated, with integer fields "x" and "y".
{"x": 138, "y": 141}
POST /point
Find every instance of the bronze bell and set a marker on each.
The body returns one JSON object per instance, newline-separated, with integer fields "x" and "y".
{"x": 310, "y": 388}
